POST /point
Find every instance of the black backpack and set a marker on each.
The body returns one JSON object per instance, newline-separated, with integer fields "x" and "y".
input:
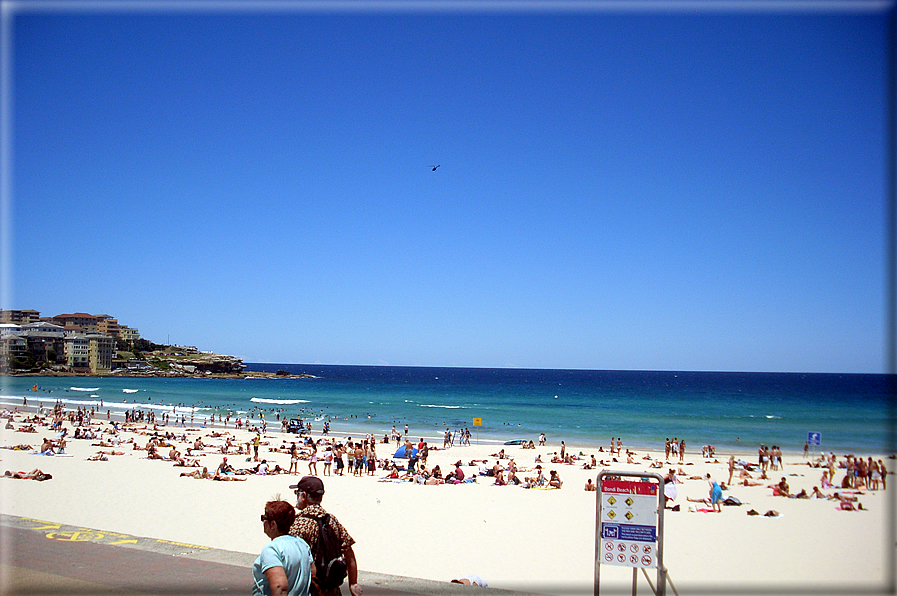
{"x": 330, "y": 563}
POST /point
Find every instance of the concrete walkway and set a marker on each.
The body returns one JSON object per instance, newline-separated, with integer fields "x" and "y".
{"x": 41, "y": 557}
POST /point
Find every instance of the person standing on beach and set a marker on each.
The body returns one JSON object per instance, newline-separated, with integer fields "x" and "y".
{"x": 284, "y": 566}
{"x": 309, "y": 493}
{"x": 256, "y": 441}
{"x": 716, "y": 494}
{"x": 359, "y": 460}
{"x": 313, "y": 460}
{"x": 338, "y": 459}
{"x": 294, "y": 459}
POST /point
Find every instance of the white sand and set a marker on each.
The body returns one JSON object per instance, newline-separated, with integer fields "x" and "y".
{"x": 530, "y": 540}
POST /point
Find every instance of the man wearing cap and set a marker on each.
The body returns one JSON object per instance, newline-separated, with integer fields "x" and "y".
{"x": 224, "y": 467}
{"x": 309, "y": 492}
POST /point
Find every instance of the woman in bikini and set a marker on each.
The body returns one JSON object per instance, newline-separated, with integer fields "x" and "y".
{"x": 294, "y": 460}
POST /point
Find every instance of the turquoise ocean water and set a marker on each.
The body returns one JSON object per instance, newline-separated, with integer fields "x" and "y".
{"x": 852, "y": 413}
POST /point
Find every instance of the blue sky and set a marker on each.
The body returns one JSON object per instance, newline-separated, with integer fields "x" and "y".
{"x": 693, "y": 189}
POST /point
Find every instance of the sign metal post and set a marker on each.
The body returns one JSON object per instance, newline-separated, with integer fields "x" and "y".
{"x": 629, "y": 524}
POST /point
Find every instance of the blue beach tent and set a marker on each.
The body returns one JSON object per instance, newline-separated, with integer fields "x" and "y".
{"x": 400, "y": 452}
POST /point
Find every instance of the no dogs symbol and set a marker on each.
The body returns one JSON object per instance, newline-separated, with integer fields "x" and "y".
{"x": 646, "y": 560}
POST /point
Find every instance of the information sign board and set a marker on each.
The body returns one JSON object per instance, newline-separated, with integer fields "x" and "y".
{"x": 814, "y": 439}
{"x": 628, "y": 523}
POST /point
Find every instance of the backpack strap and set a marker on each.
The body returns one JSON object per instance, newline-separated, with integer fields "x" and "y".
{"x": 321, "y": 523}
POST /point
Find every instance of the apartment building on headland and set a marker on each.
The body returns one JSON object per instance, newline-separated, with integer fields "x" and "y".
{"x": 79, "y": 341}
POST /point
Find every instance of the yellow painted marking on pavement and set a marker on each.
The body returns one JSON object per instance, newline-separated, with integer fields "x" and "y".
{"x": 182, "y": 544}
{"x": 47, "y": 525}
{"x": 75, "y": 536}
{"x": 123, "y": 542}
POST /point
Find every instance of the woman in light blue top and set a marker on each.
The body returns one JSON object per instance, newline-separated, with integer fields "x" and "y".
{"x": 284, "y": 566}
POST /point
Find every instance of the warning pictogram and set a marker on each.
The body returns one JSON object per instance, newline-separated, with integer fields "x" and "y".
{"x": 646, "y": 561}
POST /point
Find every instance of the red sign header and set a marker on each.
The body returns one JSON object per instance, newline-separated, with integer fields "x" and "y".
{"x": 628, "y": 487}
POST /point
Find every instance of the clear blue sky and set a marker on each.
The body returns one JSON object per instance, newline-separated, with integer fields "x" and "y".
{"x": 693, "y": 189}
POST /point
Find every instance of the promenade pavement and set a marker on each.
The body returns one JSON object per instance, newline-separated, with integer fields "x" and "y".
{"x": 39, "y": 557}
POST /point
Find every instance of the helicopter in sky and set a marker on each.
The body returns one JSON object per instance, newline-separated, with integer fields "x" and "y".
{"x": 434, "y": 167}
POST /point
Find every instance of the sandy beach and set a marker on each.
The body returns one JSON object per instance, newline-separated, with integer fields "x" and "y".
{"x": 540, "y": 541}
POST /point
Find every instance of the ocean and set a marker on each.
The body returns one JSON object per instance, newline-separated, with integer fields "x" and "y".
{"x": 852, "y": 413}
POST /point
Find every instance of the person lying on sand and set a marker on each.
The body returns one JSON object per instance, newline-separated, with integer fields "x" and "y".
{"x": 537, "y": 480}
{"x": 198, "y": 474}
{"x": 35, "y": 474}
